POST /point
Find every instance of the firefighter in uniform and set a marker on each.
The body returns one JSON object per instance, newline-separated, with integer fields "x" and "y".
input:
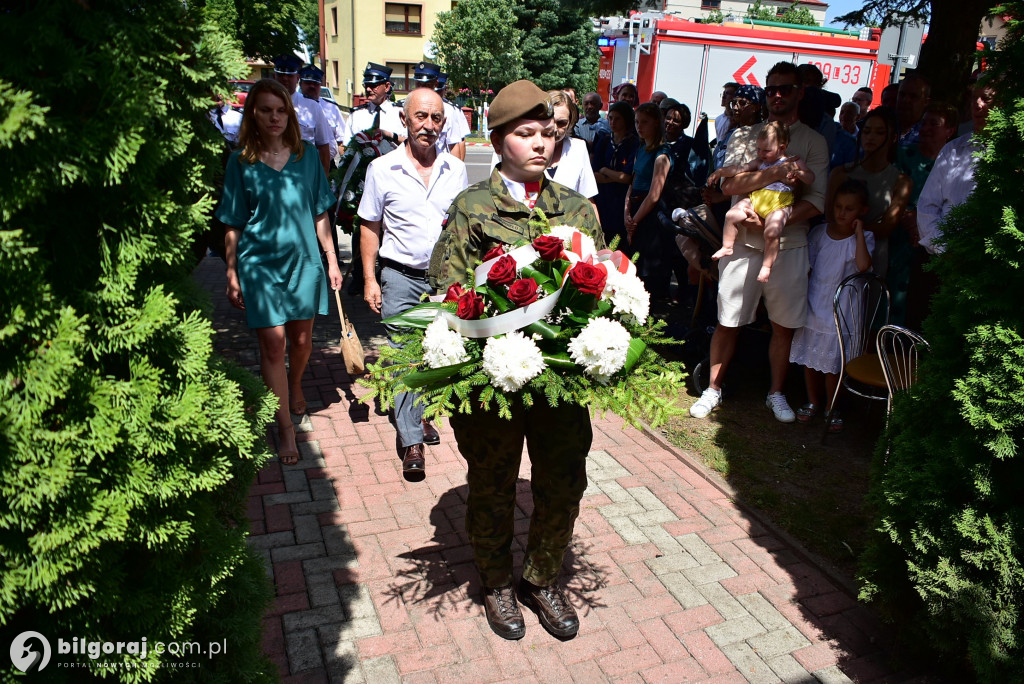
{"x": 485, "y": 215}
{"x": 378, "y": 111}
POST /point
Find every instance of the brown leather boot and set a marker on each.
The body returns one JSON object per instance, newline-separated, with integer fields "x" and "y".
{"x": 430, "y": 435}
{"x": 552, "y": 607}
{"x": 503, "y": 614}
{"x": 414, "y": 463}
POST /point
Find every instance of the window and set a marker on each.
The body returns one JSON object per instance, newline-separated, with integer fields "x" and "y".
{"x": 402, "y": 18}
{"x": 334, "y": 20}
{"x": 334, "y": 64}
{"x": 711, "y": 4}
{"x": 401, "y": 76}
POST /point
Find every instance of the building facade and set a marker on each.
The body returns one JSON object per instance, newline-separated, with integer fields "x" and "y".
{"x": 699, "y": 9}
{"x": 354, "y": 32}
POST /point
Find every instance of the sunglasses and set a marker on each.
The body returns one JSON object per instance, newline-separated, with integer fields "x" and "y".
{"x": 739, "y": 102}
{"x": 783, "y": 90}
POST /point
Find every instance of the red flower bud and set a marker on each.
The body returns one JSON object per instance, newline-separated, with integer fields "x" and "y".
{"x": 550, "y": 247}
{"x": 588, "y": 279}
{"x": 503, "y": 271}
{"x": 523, "y": 292}
{"x": 471, "y": 306}
{"x": 494, "y": 252}
{"x": 454, "y": 292}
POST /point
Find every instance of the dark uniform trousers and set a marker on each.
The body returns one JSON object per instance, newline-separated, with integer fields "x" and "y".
{"x": 558, "y": 440}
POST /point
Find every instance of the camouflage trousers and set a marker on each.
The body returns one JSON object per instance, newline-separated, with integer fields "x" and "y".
{"x": 558, "y": 440}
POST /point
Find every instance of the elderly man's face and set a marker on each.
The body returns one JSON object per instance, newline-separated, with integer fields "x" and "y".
{"x": 376, "y": 93}
{"x": 592, "y": 107}
{"x": 423, "y": 116}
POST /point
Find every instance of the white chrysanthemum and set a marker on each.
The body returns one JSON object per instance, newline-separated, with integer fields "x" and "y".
{"x": 566, "y": 232}
{"x": 628, "y": 296}
{"x": 349, "y": 195}
{"x": 442, "y": 346}
{"x": 512, "y": 361}
{"x": 601, "y": 348}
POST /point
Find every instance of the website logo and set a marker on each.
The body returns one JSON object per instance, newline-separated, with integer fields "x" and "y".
{"x": 30, "y": 652}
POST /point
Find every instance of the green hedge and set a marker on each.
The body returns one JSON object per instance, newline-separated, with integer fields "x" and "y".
{"x": 946, "y": 563}
{"x": 126, "y": 446}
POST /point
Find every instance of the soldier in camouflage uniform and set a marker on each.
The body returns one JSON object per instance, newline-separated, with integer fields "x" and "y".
{"x": 487, "y": 214}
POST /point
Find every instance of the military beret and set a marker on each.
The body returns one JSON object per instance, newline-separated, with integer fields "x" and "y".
{"x": 519, "y": 100}
{"x": 375, "y": 74}
{"x": 287, "y": 64}
{"x": 311, "y": 73}
{"x": 426, "y": 72}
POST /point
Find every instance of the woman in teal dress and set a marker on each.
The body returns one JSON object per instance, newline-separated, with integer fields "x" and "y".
{"x": 274, "y": 207}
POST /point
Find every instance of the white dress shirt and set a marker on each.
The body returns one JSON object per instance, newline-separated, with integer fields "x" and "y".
{"x": 412, "y": 213}
{"x": 312, "y": 122}
{"x": 456, "y": 128}
{"x": 949, "y": 184}
{"x": 227, "y": 123}
{"x": 336, "y": 121}
{"x": 362, "y": 118}
{"x": 588, "y": 132}
{"x": 573, "y": 169}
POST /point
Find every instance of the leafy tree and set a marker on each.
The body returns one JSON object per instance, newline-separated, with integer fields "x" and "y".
{"x": 947, "y": 563}
{"x": 795, "y": 14}
{"x": 948, "y": 53}
{"x": 263, "y": 28}
{"x": 559, "y": 48}
{"x": 604, "y": 8}
{"x": 762, "y": 12}
{"x": 715, "y": 16}
{"x": 127, "y": 446}
{"x": 308, "y": 19}
{"x": 479, "y": 45}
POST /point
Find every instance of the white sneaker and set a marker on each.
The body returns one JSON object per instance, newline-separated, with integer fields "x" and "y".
{"x": 780, "y": 407}
{"x": 709, "y": 400}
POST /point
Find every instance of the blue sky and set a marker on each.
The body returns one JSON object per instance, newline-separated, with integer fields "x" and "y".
{"x": 838, "y": 7}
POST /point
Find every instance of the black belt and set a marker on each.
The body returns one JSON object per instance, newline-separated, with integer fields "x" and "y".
{"x": 420, "y": 273}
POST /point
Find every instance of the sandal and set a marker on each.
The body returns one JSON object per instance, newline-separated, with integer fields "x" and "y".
{"x": 298, "y": 408}
{"x": 288, "y": 458}
{"x": 835, "y": 422}
{"x": 806, "y": 413}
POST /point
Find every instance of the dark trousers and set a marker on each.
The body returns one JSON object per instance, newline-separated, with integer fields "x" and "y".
{"x": 558, "y": 440}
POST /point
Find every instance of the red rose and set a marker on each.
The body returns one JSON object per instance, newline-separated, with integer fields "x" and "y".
{"x": 471, "y": 305}
{"x": 494, "y": 252}
{"x": 454, "y": 292}
{"x": 550, "y": 247}
{"x": 588, "y": 279}
{"x": 503, "y": 271}
{"x": 523, "y": 292}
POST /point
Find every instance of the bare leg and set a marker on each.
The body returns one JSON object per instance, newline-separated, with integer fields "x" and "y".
{"x": 733, "y": 218}
{"x": 723, "y": 346}
{"x": 300, "y": 346}
{"x": 831, "y": 382}
{"x": 778, "y": 355}
{"x": 813, "y": 379}
{"x": 773, "y": 225}
{"x": 272, "y": 351}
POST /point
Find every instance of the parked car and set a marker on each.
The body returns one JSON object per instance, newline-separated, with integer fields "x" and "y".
{"x": 241, "y": 90}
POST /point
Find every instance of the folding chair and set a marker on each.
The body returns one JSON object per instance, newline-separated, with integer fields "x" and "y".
{"x": 898, "y": 350}
{"x": 861, "y": 303}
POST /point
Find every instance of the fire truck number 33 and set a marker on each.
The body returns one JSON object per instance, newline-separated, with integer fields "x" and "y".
{"x": 845, "y": 73}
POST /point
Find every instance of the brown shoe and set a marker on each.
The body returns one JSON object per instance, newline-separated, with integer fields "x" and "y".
{"x": 430, "y": 435}
{"x": 503, "y": 614}
{"x": 552, "y": 608}
{"x": 413, "y": 464}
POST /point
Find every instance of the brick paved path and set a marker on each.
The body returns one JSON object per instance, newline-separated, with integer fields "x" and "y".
{"x": 672, "y": 580}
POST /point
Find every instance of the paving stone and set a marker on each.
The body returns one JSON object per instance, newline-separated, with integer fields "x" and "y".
{"x": 724, "y": 602}
{"x": 272, "y": 540}
{"x": 706, "y": 574}
{"x": 655, "y": 517}
{"x": 381, "y": 670}
{"x": 758, "y": 606}
{"x": 357, "y": 601}
{"x": 778, "y": 642}
{"x": 350, "y": 630}
{"x": 337, "y": 540}
{"x": 648, "y": 500}
{"x": 617, "y": 510}
{"x": 303, "y": 649}
{"x": 297, "y": 552}
{"x": 682, "y": 590}
{"x": 323, "y": 506}
{"x": 677, "y": 562}
{"x": 666, "y": 543}
{"x": 312, "y": 618}
{"x": 601, "y": 468}
{"x": 735, "y": 630}
{"x": 295, "y": 481}
{"x": 697, "y": 548}
{"x": 342, "y": 660}
{"x": 627, "y": 529}
{"x": 614, "y": 491}
{"x": 288, "y": 497}
{"x": 322, "y": 589}
{"x": 789, "y": 670}
{"x": 307, "y": 529}
{"x": 749, "y": 665}
{"x": 831, "y": 675}
{"x": 330, "y": 563}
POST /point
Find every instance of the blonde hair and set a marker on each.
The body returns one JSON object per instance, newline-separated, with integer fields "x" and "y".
{"x": 249, "y": 140}
{"x": 653, "y": 112}
{"x": 775, "y": 130}
{"x": 560, "y": 97}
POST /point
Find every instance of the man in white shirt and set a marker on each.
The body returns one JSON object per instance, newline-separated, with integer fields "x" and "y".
{"x": 785, "y": 293}
{"x": 452, "y": 137}
{"x": 591, "y": 125}
{"x": 378, "y": 111}
{"x": 227, "y": 120}
{"x": 723, "y": 122}
{"x": 406, "y": 195}
{"x": 951, "y": 180}
{"x": 310, "y": 83}
{"x": 459, "y": 123}
{"x": 312, "y": 123}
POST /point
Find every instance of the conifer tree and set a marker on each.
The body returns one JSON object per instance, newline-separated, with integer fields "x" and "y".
{"x": 946, "y": 564}
{"x": 126, "y": 446}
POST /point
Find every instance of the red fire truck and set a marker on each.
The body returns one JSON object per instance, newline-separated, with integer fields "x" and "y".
{"x": 691, "y": 61}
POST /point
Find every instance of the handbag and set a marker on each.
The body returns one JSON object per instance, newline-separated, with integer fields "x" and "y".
{"x": 351, "y": 348}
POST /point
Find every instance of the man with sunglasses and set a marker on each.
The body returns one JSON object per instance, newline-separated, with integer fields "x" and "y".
{"x": 378, "y": 111}
{"x": 785, "y": 293}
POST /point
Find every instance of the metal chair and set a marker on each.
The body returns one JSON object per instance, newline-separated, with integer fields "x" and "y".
{"x": 897, "y": 348}
{"x": 860, "y": 304}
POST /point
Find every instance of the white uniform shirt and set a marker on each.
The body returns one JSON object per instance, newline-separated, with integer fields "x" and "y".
{"x": 411, "y": 213}
{"x": 456, "y": 128}
{"x": 362, "y": 118}
{"x": 949, "y": 184}
{"x": 573, "y": 169}
{"x": 312, "y": 122}
{"x": 588, "y": 131}
{"x": 722, "y": 124}
{"x": 335, "y": 121}
{"x": 228, "y": 122}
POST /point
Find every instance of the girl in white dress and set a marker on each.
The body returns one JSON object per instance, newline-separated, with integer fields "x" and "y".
{"x": 836, "y": 251}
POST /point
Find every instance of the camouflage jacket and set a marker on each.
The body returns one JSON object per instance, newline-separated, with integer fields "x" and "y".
{"x": 485, "y": 215}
